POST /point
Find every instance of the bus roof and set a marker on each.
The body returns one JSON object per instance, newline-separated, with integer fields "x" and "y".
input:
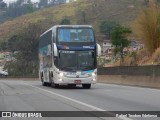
{"x": 45, "y": 32}
{"x": 67, "y": 26}
{"x": 74, "y": 26}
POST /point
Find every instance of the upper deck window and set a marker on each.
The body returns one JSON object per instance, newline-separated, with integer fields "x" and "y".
{"x": 75, "y": 35}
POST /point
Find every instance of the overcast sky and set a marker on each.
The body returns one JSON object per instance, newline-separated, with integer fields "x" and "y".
{"x": 7, "y": 1}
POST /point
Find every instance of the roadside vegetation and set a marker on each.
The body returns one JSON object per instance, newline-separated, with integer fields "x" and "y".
{"x": 111, "y": 19}
{"x": 147, "y": 27}
{"x": 119, "y": 40}
{"x": 24, "y": 45}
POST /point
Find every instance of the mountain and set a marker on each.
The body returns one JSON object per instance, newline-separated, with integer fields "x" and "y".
{"x": 79, "y": 12}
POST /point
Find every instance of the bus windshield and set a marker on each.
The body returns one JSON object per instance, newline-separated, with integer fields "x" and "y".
{"x": 75, "y": 35}
{"x": 77, "y": 60}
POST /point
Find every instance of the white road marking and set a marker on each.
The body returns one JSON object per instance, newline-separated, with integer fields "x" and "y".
{"x": 76, "y": 101}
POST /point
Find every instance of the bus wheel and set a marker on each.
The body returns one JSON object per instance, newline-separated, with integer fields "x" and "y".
{"x": 54, "y": 85}
{"x": 86, "y": 86}
{"x": 50, "y": 79}
{"x": 49, "y": 84}
{"x": 43, "y": 83}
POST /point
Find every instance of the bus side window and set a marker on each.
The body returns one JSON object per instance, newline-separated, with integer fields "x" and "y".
{"x": 47, "y": 61}
{"x": 55, "y": 58}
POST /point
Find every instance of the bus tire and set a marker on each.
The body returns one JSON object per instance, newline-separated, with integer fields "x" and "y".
{"x": 86, "y": 86}
{"x": 54, "y": 85}
{"x": 43, "y": 83}
{"x": 50, "y": 79}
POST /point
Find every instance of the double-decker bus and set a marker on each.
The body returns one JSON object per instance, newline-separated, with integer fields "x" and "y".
{"x": 68, "y": 56}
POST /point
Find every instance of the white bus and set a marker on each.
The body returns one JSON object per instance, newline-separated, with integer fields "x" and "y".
{"x": 68, "y": 56}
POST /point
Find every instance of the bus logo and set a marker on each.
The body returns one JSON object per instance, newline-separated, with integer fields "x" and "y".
{"x": 6, "y": 114}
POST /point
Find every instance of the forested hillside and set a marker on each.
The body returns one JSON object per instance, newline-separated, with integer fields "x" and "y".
{"x": 80, "y": 12}
{"x": 22, "y": 33}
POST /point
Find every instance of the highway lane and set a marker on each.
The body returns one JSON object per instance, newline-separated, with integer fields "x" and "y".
{"x": 16, "y": 95}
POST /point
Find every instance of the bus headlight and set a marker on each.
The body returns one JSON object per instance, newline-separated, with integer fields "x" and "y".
{"x": 60, "y": 79}
{"x": 61, "y": 74}
{"x": 94, "y": 79}
{"x": 94, "y": 74}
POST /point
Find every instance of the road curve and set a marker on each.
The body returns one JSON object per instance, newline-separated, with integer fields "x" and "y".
{"x": 19, "y": 95}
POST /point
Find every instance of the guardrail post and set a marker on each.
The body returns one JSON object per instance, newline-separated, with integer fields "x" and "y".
{"x": 153, "y": 71}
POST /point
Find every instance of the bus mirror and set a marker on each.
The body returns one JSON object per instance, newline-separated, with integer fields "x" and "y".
{"x": 98, "y": 50}
{"x": 55, "y": 50}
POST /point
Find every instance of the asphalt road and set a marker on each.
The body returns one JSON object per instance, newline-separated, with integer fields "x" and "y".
{"x": 17, "y": 95}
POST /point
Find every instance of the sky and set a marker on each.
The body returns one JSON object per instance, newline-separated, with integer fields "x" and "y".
{"x": 7, "y": 1}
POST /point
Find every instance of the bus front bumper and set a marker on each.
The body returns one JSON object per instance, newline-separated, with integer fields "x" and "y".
{"x": 77, "y": 81}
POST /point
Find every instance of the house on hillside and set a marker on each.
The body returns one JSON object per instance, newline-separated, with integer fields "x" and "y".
{"x": 135, "y": 45}
{"x": 57, "y": 2}
{"x": 6, "y": 57}
{"x": 2, "y": 58}
{"x": 69, "y": 1}
{"x": 107, "y": 49}
{"x": 34, "y": 4}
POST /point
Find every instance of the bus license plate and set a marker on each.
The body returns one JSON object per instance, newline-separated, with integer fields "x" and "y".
{"x": 77, "y": 81}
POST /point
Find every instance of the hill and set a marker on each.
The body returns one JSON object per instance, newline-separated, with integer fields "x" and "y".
{"x": 80, "y": 12}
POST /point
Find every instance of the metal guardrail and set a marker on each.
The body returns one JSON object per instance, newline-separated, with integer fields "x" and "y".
{"x": 150, "y": 70}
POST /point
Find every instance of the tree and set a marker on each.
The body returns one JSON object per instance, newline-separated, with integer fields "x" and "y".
{"x": 2, "y": 4}
{"x": 65, "y": 21}
{"x": 29, "y": 1}
{"x": 106, "y": 28}
{"x": 147, "y": 27}
{"x": 19, "y": 8}
{"x": 26, "y": 43}
{"x": 28, "y": 8}
{"x": 52, "y": 3}
{"x": 61, "y": 1}
{"x": 81, "y": 15}
{"x": 146, "y": 2}
{"x": 43, "y": 3}
{"x": 3, "y": 45}
{"x": 19, "y": 2}
{"x": 119, "y": 39}
{"x": 158, "y": 1}
{"x": 11, "y": 44}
